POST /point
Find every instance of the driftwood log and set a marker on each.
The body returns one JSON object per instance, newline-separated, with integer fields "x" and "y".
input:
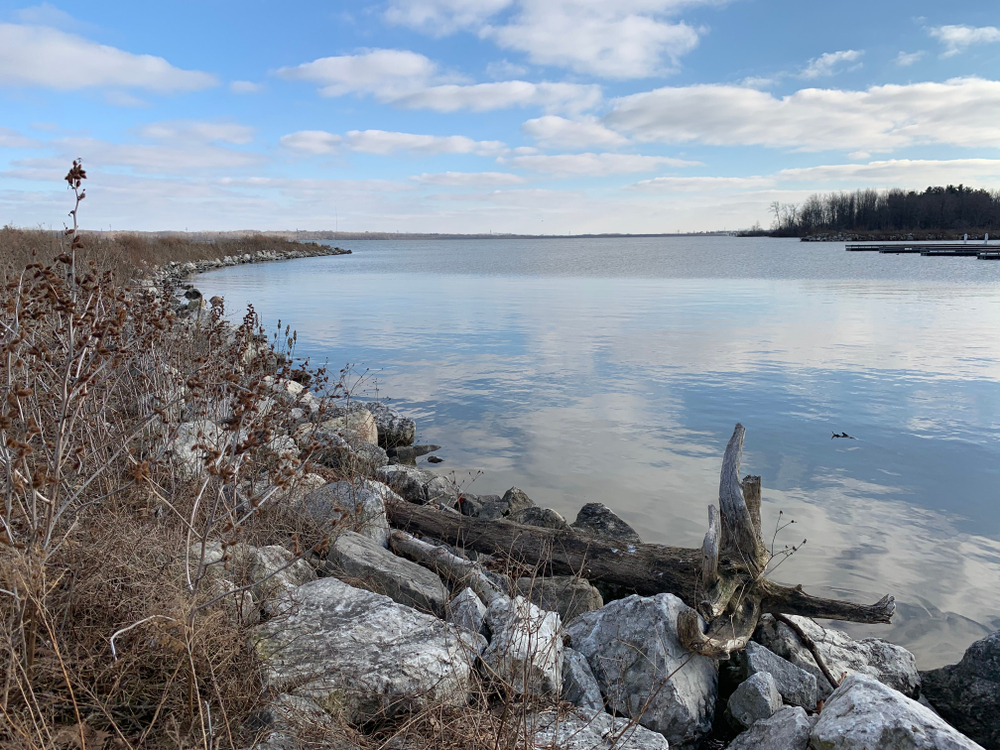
{"x": 724, "y": 581}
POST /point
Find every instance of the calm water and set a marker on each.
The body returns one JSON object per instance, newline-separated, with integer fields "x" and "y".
{"x": 614, "y": 371}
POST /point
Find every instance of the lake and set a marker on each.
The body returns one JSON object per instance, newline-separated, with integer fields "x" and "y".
{"x": 614, "y": 370}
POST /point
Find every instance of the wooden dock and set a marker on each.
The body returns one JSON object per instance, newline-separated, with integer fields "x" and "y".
{"x": 929, "y": 249}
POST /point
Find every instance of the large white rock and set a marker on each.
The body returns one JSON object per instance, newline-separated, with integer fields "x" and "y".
{"x": 890, "y": 664}
{"x": 351, "y": 506}
{"x": 526, "y": 647}
{"x": 577, "y": 731}
{"x": 188, "y": 446}
{"x": 360, "y": 561}
{"x": 864, "y": 714}
{"x": 467, "y": 612}
{"x": 353, "y": 425}
{"x": 757, "y": 698}
{"x": 644, "y": 671}
{"x": 360, "y": 655}
{"x": 579, "y": 684}
{"x": 393, "y": 428}
{"x": 788, "y": 729}
{"x": 797, "y": 686}
{"x": 418, "y": 485}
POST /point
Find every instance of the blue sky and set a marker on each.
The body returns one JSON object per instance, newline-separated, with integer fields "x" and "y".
{"x": 550, "y": 116}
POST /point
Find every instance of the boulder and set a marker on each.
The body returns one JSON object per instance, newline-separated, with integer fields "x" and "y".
{"x": 360, "y": 561}
{"x": 187, "y": 457}
{"x": 864, "y": 714}
{"x": 579, "y": 684}
{"x": 643, "y": 670}
{"x": 516, "y": 500}
{"x": 580, "y": 731}
{"x": 360, "y": 655}
{"x": 890, "y": 664}
{"x": 797, "y": 686}
{"x": 393, "y": 428}
{"x": 788, "y": 729}
{"x": 493, "y": 507}
{"x": 755, "y": 699}
{"x": 568, "y": 595}
{"x": 274, "y": 570}
{"x": 599, "y": 520}
{"x": 967, "y": 694}
{"x": 291, "y": 722}
{"x": 418, "y": 486}
{"x": 354, "y": 425}
{"x": 346, "y": 452}
{"x": 351, "y": 506}
{"x": 526, "y": 647}
{"x": 467, "y": 611}
{"x": 545, "y": 518}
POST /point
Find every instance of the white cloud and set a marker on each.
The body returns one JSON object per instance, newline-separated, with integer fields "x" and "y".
{"x": 504, "y": 70}
{"x": 469, "y": 179}
{"x": 483, "y": 97}
{"x": 246, "y": 87}
{"x": 623, "y": 39}
{"x": 906, "y": 59}
{"x": 959, "y": 38}
{"x": 167, "y": 158}
{"x": 959, "y": 112}
{"x": 386, "y": 73}
{"x": 12, "y": 139}
{"x": 859, "y": 155}
{"x": 595, "y": 165}
{"x": 826, "y": 64}
{"x": 124, "y": 99}
{"x": 672, "y": 184}
{"x": 758, "y": 82}
{"x": 46, "y": 57}
{"x": 442, "y": 17}
{"x": 387, "y": 142}
{"x": 192, "y": 131}
{"x": 553, "y": 131}
{"x": 906, "y": 173}
{"x": 46, "y": 15}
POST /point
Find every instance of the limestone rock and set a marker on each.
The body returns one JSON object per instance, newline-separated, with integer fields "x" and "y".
{"x": 418, "y": 486}
{"x": 890, "y": 664}
{"x": 467, "y": 611}
{"x": 636, "y": 656}
{"x": 797, "y": 686}
{"x": 755, "y": 699}
{"x": 393, "y": 428}
{"x": 492, "y": 507}
{"x": 516, "y": 500}
{"x": 967, "y": 694}
{"x": 526, "y": 647}
{"x": 351, "y": 506}
{"x": 576, "y": 731}
{"x": 545, "y": 518}
{"x": 863, "y": 714}
{"x": 579, "y": 684}
{"x": 343, "y": 450}
{"x": 568, "y": 595}
{"x": 788, "y": 729}
{"x": 201, "y": 432}
{"x": 360, "y": 561}
{"x": 358, "y": 425}
{"x": 361, "y": 656}
{"x": 599, "y": 520}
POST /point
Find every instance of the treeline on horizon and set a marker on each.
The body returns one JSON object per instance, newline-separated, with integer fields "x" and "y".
{"x": 957, "y": 208}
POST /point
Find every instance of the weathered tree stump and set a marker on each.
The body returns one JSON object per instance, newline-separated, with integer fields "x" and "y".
{"x": 724, "y": 581}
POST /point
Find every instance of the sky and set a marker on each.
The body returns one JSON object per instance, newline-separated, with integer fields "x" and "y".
{"x": 526, "y": 116}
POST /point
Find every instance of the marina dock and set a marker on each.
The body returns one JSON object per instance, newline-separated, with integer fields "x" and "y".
{"x": 929, "y": 249}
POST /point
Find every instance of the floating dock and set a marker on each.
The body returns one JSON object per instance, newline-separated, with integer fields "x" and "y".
{"x": 929, "y": 249}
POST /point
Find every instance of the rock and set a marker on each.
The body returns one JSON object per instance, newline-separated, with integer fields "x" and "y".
{"x": 545, "y": 518}
{"x": 467, "y": 611}
{"x": 757, "y": 698}
{"x": 636, "y": 656}
{"x": 352, "y": 506}
{"x": 342, "y": 450}
{"x": 188, "y": 458}
{"x": 525, "y": 651}
{"x": 788, "y": 729}
{"x": 360, "y": 655}
{"x": 419, "y": 486}
{"x": 359, "y": 561}
{"x": 599, "y": 520}
{"x": 492, "y": 507}
{"x": 797, "y": 686}
{"x": 435, "y": 460}
{"x": 355, "y": 425}
{"x": 274, "y": 570}
{"x": 291, "y": 722}
{"x": 890, "y": 664}
{"x": 410, "y": 452}
{"x": 516, "y": 500}
{"x": 967, "y": 694}
{"x": 579, "y": 684}
{"x": 393, "y": 428}
{"x": 864, "y": 714}
{"x": 580, "y": 731}
{"x": 568, "y": 595}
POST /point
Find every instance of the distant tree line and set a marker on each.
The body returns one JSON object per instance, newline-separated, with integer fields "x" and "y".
{"x": 953, "y": 207}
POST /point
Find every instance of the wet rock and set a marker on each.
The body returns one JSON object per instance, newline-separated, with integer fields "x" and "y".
{"x": 890, "y": 664}
{"x": 863, "y": 714}
{"x": 632, "y": 647}
{"x": 526, "y": 647}
{"x": 599, "y": 520}
{"x": 580, "y": 731}
{"x": 579, "y": 684}
{"x": 352, "y": 506}
{"x": 757, "y": 698}
{"x": 967, "y": 694}
{"x": 393, "y": 428}
{"x": 568, "y": 595}
{"x": 361, "y": 656}
{"x": 434, "y": 460}
{"x": 360, "y": 561}
{"x": 545, "y": 518}
{"x": 788, "y": 729}
{"x": 797, "y": 686}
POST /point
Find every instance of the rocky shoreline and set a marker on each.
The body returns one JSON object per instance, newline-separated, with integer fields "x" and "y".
{"x": 379, "y": 624}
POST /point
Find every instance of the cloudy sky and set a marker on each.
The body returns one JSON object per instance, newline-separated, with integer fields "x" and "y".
{"x": 549, "y": 116}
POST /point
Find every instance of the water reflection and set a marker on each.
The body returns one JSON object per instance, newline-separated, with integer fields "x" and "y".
{"x": 614, "y": 371}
